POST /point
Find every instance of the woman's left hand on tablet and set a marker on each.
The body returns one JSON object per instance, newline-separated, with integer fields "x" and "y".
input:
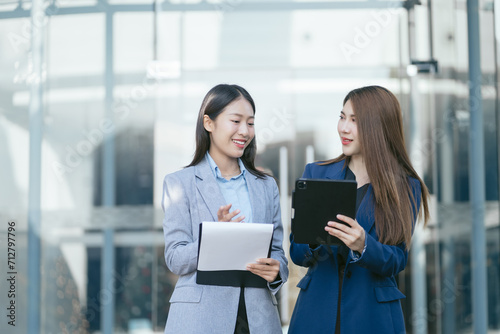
{"x": 267, "y": 268}
{"x": 223, "y": 214}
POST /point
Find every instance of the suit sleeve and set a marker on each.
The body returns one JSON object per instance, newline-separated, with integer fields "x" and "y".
{"x": 383, "y": 260}
{"x": 181, "y": 251}
{"x": 305, "y": 256}
{"x": 386, "y": 260}
{"x": 277, "y": 251}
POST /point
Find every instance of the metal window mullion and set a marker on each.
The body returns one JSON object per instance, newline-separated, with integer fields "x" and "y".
{"x": 477, "y": 173}
{"x": 35, "y": 167}
{"x": 107, "y": 298}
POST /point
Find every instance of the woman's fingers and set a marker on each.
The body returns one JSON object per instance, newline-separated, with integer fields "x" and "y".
{"x": 223, "y": 214}
{"x": 347, "y": 225}
{"x": 239, "y": 219}
{"x": 353, "y": 235}
{"x": 348, "y": 220}
{"x": 266, "y": 268}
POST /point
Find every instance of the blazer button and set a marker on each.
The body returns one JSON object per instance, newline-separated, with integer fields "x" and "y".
{"x": 348, "y": 274}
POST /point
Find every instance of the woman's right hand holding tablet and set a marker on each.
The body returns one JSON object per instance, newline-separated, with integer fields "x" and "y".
{"x": 352, "y": 234}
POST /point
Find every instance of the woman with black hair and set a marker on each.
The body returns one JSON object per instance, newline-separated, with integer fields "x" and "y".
{"x": 222, "y": 184}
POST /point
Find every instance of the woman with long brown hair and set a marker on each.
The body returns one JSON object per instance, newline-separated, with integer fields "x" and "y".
{"x": 352, "y": 288}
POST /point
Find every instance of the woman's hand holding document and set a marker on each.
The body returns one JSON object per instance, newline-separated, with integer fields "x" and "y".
{"x": 228, "y": 252}
{"x": 267, "y": 268}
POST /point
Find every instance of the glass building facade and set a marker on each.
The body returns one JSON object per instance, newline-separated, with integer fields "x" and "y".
{"x": 99, "y": 100}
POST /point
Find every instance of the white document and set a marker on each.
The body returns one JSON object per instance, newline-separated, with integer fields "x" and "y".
{"x": 231, "y": 246}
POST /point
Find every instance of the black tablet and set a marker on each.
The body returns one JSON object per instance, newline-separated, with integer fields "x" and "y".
{"x": 315, "y": 202}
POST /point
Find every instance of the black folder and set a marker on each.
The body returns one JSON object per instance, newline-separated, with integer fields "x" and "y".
{"x": 315, "y": 202}
{"x": 236, "y": 278}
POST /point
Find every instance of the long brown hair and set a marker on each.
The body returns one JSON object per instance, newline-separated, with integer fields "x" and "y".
{"x": 214, "y": 103}
{"x": 380, "y": 132}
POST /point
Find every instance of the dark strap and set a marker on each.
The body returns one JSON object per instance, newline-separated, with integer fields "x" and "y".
{"x": 241, "y": 318}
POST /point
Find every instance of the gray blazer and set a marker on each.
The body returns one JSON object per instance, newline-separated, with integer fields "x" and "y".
{"x": 191, "y": 196}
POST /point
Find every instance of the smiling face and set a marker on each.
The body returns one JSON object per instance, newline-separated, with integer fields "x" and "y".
{"x": 231, "y": 131}
{"x": 348, "y": 131}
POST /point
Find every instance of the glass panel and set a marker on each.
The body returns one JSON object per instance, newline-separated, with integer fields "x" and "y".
{"x": 449, "y": 275}
{"x": 74, "y": 132}
{"x": 298, "y": 83}
{"x": 14, "y": 170}
{"x": 296, "y": 65}
{"x": 133, "y": 300}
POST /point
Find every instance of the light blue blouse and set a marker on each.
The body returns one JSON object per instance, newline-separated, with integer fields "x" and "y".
{"x": 234, "y": 190}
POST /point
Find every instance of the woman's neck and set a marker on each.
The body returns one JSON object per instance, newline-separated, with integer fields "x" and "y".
{"x": 227, "y": 166}
{"x": 358, "y": 167}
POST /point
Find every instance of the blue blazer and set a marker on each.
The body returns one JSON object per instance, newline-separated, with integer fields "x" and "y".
{"x": 191, "y": 196}
{"x": 370, "y": 297}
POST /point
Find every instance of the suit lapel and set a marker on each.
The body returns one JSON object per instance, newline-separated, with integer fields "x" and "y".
{"x": 256, "y": 192}
{"x": 367, "y": 210}
{"x": 208, "y": 188}
{"x": 336, "y": 172}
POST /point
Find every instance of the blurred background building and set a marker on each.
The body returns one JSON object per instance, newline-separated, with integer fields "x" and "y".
{"x": 99, "y": 99}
